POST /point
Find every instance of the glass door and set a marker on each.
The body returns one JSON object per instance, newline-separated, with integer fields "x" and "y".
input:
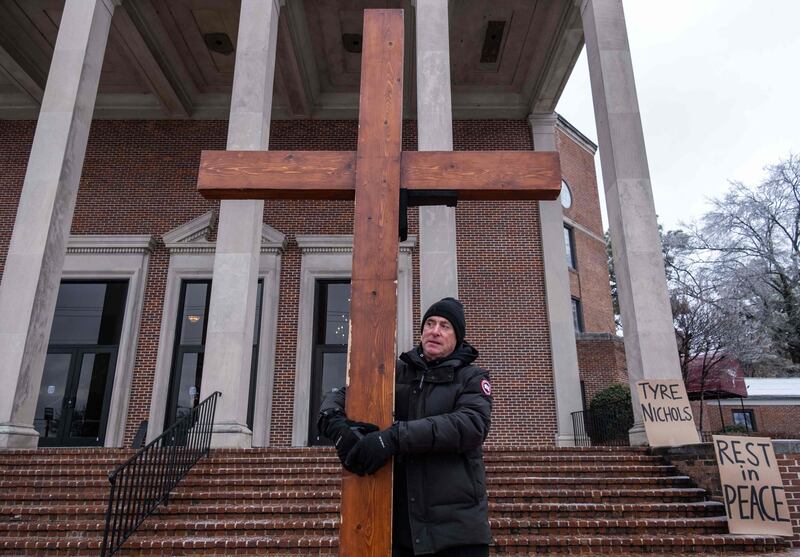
{"x": 190, "y": 345}
{"x": 75, "y": 393}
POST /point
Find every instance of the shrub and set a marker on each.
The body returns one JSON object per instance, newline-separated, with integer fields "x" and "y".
{"x": 616, "y": 394}
{"x": 610, "y": 415}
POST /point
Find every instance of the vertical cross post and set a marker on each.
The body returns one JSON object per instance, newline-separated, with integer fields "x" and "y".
{"x": 366, "y": 528}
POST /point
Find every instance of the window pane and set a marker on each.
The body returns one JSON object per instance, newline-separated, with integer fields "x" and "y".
{"x": 334, "y": 366}
{"x": 568, "y": 246}
{"x": 51, "y": 394}
{"x": 743, "y": 418}
{"x": 257, "y": 326}
{"x": 88, "y": 313}
{"x": 89, "y": 398}
{"x": 194, "y": 313}
{"x": 191, "y": 370}
{"x": 337, "y": 313}
{"x": 577, "y": 317}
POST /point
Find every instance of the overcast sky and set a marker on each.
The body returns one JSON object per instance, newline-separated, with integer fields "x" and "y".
{"x": 718, "y": 83}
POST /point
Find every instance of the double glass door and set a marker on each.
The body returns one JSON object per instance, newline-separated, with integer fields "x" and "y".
{"x": 74, "y": 399}
{"x": 190, "y": 344}
{"x": 75, "y": 393}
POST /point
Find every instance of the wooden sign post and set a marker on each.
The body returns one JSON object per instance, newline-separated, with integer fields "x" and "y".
{"x": 373, "y": 176}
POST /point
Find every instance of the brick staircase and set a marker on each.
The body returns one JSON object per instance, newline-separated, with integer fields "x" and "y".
{"x": 285, "y": 502}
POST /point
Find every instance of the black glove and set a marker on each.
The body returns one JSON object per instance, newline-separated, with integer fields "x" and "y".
{"x": 344, "y": 433}
{"x": 373, "y": 451}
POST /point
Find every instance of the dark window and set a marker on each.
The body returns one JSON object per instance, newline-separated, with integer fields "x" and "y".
{"x": 89, "y": 313}
{"x": 190, "y": 345}
{"x": 577, "y": 315}
{"x": 331, "y": 330}
{"x": 745, "y": 418}
{"x": 75, "y": 393}
{"x": 569, "y": 244}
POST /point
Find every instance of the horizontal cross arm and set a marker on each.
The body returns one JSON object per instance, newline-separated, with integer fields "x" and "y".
{"x": 484, "y": 175}
{"x": 473, "y": 175}
{"x": 277, "y": 174}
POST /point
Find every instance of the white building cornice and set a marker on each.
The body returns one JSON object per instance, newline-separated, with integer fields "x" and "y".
{"x": 118, "y": 243}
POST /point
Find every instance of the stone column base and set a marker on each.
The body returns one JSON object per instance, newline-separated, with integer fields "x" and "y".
{"x": 230, "y": 435}
{"x": 18, "y": 437}
{"x": 638, "y": 436}
{"x": 565, "y": 440}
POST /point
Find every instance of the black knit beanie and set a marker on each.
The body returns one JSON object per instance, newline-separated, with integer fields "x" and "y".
{"x": 452, "y": 310}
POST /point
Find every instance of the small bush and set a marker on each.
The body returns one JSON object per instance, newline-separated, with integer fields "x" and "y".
{"x": 616, "y": 394}
{"x": 611, "y": 415}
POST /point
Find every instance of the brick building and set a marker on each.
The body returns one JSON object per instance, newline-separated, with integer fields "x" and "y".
{"x": 771, "y": 409}
{"x": 127, "y": 297}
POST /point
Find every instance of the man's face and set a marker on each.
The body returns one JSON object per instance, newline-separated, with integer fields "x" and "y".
{"x": 438, "y": 338}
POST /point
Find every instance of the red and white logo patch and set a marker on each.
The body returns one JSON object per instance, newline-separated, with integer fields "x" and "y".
{"x": 486, "y": 387}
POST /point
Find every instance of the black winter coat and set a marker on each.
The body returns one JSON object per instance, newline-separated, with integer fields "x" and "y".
{"x": 444, "y": 412}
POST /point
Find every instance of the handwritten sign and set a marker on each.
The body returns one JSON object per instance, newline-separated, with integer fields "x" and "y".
{"x": 666, "y": 413}
{"x": 752, "y": 489}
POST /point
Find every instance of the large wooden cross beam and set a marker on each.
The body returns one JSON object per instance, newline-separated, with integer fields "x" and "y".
{"x": 373, "y": 176}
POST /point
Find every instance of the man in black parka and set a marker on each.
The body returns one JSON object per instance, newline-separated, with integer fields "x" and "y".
{"x": 443, "y": 407}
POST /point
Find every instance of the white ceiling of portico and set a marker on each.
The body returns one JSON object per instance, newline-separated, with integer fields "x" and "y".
{"x": 158, "y": 63}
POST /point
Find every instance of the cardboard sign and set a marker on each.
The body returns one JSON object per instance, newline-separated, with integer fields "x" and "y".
{"x": 752, "y": 488}
{"x": 666, "y": 413}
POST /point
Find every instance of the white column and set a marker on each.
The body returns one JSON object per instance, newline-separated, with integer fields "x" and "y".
{"x": 566, "y": 380}
{"x": 438, "y": 264}
{"x": 229, "y": 337}
{"x": 650, "y": 348}
{"x": 44, "y": 216}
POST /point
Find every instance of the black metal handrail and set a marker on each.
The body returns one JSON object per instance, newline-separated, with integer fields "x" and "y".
{"x": 605, "y": 425}
{"x": 144, "y": 481}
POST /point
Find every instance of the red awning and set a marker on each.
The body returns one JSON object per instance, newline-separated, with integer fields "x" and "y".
{"x": 725, "y": 379}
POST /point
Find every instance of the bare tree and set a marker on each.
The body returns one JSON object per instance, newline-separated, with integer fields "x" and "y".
{"x": 734, "y": 277}
{"x": 699, "y": 324}
{"x": 747, "y": 249}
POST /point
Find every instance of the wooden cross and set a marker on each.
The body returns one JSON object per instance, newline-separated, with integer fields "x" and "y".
{"x": 373, "y": 175}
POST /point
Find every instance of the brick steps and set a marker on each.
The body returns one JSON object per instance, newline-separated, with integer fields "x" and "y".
{"x": 625, "y": 545}
{"x": 596, "y": 495}
{"x": 327, "y": 545}
{"x": 72, "y": 512}
{"x": 286, "y": 502}
{"x": 241, "y": 479}
{"x": 589, "y": 483}
{"x": 277, "y": 493}
{"x": 583, "y": 470}
{"x": 577, "y": 459}
{"x": 274, "y": 526}
{"x": 574, "y": 473}
{"x": 607, "y": 510}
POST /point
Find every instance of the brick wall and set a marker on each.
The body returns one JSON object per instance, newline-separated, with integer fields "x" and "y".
{"x": 590, "y": 282}
{"x": 601, "y": 362}
{"x": 139, "y": 178}
{"x": 789, "y": 464}
{"x": 778, "y": 422}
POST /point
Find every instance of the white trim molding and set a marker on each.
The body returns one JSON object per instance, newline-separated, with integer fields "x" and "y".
{"x": 192, "y": 258}
{"x": 330, "y": 256}
{"x": 118, "y": 257}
